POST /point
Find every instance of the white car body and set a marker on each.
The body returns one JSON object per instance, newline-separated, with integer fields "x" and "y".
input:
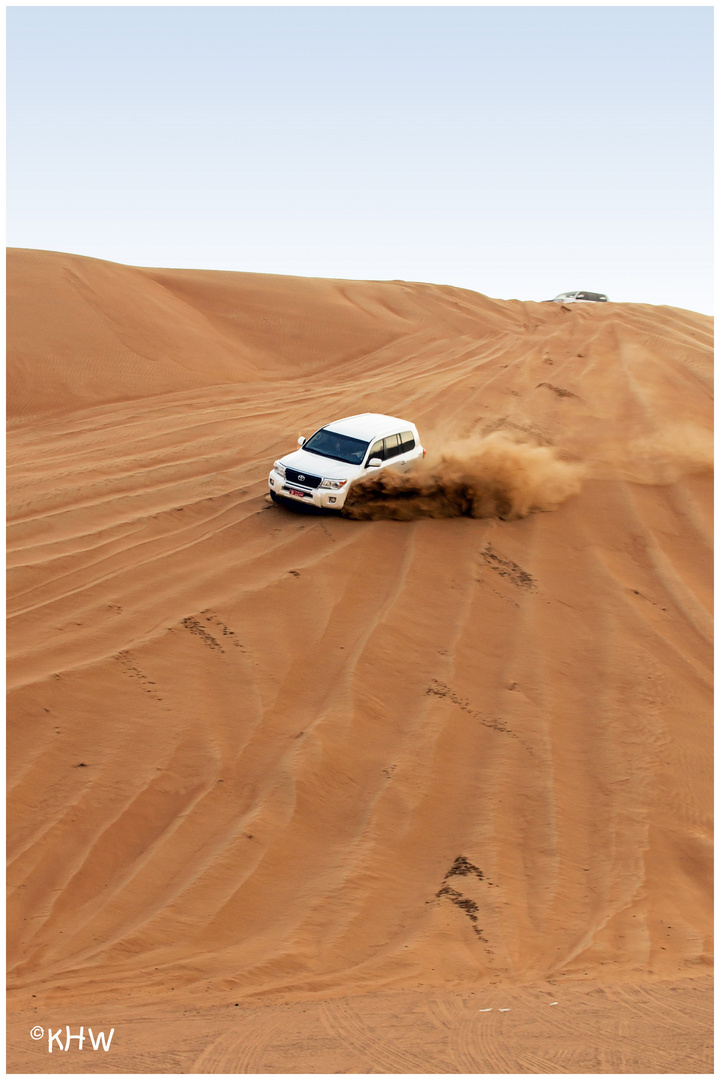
{"x": 579, "y": 296}
{"x": 320, "y": 479}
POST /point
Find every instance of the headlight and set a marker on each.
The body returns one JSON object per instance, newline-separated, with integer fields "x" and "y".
{"x": 335, "y": 484}
{"x": 279, "y": 468}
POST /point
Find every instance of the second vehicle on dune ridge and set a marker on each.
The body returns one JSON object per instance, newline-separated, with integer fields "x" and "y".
{"x": 579, "y": 296}
{"x": 327, "y": 464}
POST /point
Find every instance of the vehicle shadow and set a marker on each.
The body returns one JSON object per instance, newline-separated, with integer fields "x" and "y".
{"x": 293, "y": 507}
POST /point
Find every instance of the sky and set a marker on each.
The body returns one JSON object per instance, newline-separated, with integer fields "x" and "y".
{"x": 515, "y": 151}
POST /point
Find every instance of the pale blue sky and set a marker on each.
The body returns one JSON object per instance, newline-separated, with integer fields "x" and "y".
{"x": 517, "y": 151}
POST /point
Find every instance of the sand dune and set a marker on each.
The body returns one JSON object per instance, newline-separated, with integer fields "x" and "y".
{"x": 261, "y": 756}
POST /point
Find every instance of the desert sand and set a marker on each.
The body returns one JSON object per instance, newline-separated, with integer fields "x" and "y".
{"x": 397, "y": 792}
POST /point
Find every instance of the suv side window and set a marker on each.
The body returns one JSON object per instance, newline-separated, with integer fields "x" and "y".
{"x": 392, "y": 446}
{"x": 407, "y": 442}
{"x": 377, "y": 450}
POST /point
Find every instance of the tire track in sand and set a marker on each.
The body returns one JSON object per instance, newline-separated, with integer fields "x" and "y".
{"x": 241, "y": 1050}
{"x": 343, "y": 1021}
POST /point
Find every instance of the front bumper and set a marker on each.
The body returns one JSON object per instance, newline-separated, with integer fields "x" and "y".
{"x": 324, "y": 498}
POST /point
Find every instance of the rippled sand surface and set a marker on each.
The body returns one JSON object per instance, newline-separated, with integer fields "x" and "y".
{"x": 356, "y": 776}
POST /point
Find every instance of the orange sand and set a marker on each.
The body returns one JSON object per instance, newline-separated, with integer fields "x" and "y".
{"x": 363, "y": 769}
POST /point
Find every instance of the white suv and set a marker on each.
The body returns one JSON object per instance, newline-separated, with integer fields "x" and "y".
{"x": 574, "y": 297}
{"x": 322, "y": 472}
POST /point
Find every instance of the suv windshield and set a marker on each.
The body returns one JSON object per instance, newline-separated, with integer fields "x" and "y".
{"x": 333, "y": 445}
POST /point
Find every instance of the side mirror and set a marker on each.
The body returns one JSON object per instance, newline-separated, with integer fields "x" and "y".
{"x": 301, "y": 440}
{"x": 374, "y": 463}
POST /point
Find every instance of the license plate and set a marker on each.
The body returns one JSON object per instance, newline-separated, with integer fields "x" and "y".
{"x": 300, "y": 494}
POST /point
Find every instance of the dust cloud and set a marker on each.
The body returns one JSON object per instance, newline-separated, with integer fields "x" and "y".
{"x": 489, "y": 477}
{"x": 658, "y": 458}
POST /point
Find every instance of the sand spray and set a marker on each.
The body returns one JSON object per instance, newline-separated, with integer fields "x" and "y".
{"x": 501, "y": 476}
{"x": 478, "y": 477}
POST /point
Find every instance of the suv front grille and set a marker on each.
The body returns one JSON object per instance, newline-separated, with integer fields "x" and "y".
{"x": 305, "y": 479}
